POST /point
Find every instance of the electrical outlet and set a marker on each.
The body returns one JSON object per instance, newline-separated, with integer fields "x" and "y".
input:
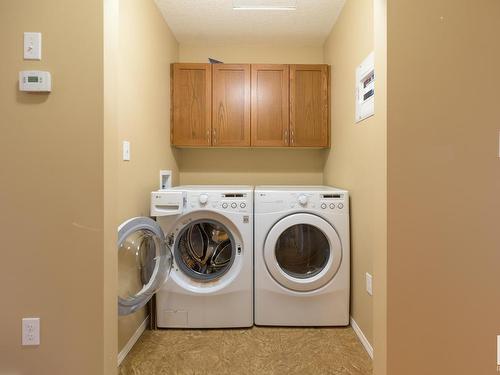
{"x": 31, "y": 331}
{"x": 369, "y": 284}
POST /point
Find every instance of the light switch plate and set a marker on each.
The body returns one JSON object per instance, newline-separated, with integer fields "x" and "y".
{"x": 31, "y": 331}
{"x": 32, "y": 46}
{"x": 369, "y": 284}
{"x": 126, "y": 150}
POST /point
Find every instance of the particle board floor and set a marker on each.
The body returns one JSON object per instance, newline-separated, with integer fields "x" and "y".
{"x": 259, "y": 350}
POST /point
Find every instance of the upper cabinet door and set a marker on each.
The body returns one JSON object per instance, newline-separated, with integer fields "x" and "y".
{"x": 270, "y": 105}
{"x": 191, "y": 104}
{"x": 309, "y": 105}
{"x": 231, "y": 105}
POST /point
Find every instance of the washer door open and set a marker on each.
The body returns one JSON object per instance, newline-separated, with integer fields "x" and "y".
{"x": 302, "y": 252}
{"x": 144, "y": 263}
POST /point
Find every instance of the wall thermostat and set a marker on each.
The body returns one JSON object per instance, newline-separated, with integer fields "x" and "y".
{"x": 365, "y": 88}
{"x": 35, "y": 81}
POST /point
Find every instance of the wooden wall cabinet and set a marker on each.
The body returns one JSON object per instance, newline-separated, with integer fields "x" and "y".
{"x": 191, "y": 120}
{"x": 243, "y": 105}
{"x": 309, "y": 106}
{"x": 231, "y": 105}
{"x": 270, "y": 105}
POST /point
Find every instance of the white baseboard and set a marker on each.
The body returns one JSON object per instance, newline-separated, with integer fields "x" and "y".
{"x": 131, "y": 342}
{"x": 362, "y": 338}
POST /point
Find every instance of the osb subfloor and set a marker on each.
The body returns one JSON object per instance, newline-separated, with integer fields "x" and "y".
{"x": 259, "y": 350}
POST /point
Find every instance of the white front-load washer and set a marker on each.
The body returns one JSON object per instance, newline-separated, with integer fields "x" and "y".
{"x": 301, "y": 256}
{"x": 206, "y": 279}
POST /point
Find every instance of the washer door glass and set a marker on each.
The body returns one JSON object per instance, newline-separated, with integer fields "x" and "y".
{"x": 144, "y": 263}
{"x": 204, "y": 249}
{"x": 302, "y": 251}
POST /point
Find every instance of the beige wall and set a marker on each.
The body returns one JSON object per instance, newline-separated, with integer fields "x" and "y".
{"x": 111, "y": 44}
{"x": 444, "y": 184}
{"x": 271, "y": 53}
{"x": 251, "y": 166}
{"x": 146, "y": 49}
{"x": 51, "y": 197}
{"x": 380, "y": 237}
{"x": 357, "y": 159}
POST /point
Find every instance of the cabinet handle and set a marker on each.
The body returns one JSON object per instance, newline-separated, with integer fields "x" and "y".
{"x": 208, "y": 136}
{"x": 291, "y": 137}
{"x": 214, "y": 136}
{"x": 285, "y": 136}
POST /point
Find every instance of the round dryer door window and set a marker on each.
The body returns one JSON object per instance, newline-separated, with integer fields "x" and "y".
{"x": 303, "y": 252}
{"x": 204, "y": 250}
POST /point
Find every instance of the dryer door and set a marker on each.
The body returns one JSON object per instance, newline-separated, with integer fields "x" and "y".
{"x": 303, "y": 252}
{"x": 144, "y": 263}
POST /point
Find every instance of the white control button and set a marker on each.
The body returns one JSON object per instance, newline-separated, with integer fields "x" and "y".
{"x": 243, "y": 205}
{"x": 234, "y": 205}
{"x": 303, "y": 199}
{"x": 203, "y": 198}
{"x": 224, "y": 205}
{"x": 323, "y": 205}
{"x": 340, "y": 206}
{"x": 332, "y": 206}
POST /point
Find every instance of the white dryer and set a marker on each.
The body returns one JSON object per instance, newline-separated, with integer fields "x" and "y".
{"x": 301, "y": 256}
{"x": 197, "y": 257}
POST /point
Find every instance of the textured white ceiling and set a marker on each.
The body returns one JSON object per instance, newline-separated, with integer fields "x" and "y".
{"x": 194, "y": 21}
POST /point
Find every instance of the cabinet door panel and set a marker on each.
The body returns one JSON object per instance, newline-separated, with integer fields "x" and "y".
{"x": 191, "y": 105}
{"x": 231, "y": 105}
{"x": 270, "y": 105}
{"x": 309, "y": 106}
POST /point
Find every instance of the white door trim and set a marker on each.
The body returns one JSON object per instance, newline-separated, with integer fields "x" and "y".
{"x": 131, "y": 342}
{"x": 362, "y": 338}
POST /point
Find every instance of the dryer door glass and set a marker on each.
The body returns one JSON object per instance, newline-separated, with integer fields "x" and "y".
{"x": 144, "y": 263}
{"x": 204, "y": 249}
{"x": 302, "y": 251}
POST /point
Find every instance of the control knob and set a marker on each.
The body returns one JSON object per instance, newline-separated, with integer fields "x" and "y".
{"x": 203, "y": 198}
{"x": 302, "y": 199}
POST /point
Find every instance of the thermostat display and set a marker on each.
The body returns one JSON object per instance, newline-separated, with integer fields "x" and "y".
{"x": 35, "y": 81}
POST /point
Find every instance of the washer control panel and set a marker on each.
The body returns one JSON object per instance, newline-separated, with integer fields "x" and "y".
{"x": 232, "y": 202}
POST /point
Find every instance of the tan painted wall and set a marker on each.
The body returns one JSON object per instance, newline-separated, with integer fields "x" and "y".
{"x": 357, "y": 160}
{"x": 444, "y": 184}
{"x": 51, "y": 197}
{"x": 111, "y": 45}
{"x": 380, "y": 237}
{"x": 272, "y": 53}
{"x": 251, "y": 166}
{"x": 146, "y": 49}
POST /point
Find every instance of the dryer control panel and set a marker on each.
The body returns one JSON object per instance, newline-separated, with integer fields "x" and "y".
{"x": 327, "y": 202}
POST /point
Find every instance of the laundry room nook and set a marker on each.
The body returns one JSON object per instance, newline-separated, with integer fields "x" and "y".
{"x": 250, "y": 110}
{"x": 249, "y": 187}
